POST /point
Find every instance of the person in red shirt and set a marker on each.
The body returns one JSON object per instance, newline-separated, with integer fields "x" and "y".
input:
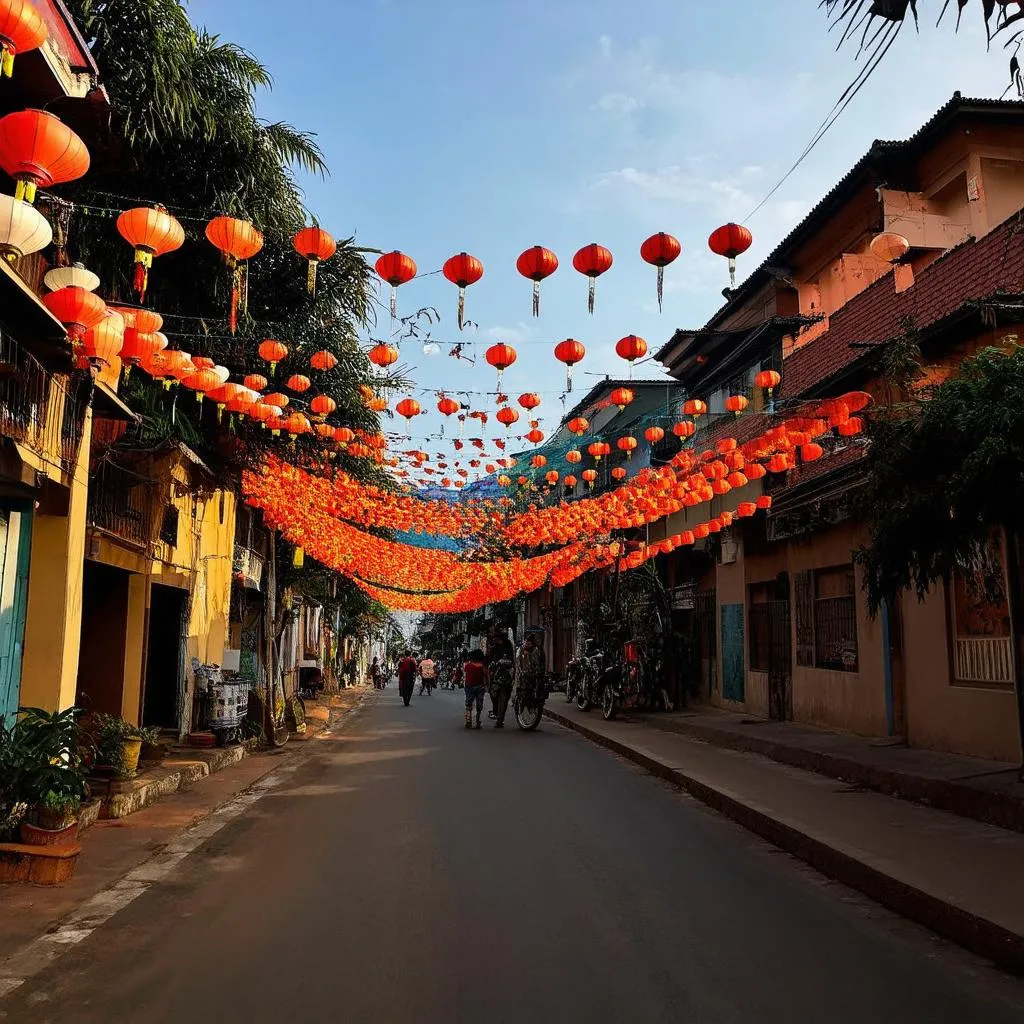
{"x": 475, "y": 676}
{"x": 407, "y": 669}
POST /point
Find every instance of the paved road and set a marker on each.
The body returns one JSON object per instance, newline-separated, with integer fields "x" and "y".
{"x": 411, "y": 871}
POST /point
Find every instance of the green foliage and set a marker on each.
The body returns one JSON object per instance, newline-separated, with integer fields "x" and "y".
{"x": 39, "y": 756}
{"x": 943, "y": 474}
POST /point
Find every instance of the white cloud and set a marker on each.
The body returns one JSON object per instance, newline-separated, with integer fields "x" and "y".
{"x": 513, "y": 335}
{"x": 617, "y": 103}
{"x": 604, "y": 44}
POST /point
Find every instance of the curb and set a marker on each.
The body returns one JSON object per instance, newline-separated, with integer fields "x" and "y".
{"x": 985, "y": 938}
{"x": 990, "y": 807}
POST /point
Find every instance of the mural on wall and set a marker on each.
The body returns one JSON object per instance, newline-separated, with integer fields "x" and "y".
{"x": 981, "y": 605}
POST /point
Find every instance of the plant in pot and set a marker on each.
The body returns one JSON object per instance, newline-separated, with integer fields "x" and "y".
{"x": 152, "y": 748}
{"x": 118, "y": 745}
{"x": 14, "y": 758}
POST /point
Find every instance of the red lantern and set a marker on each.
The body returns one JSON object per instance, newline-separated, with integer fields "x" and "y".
{"x": 462, "y": 270}
{"x": 592, "y": 260}
{"x": 694, "y": 407}
{"x": 21, "y": 29}
{"x": 272, "y": 352}
{"x": 36, "y": 149}
{"x": 569, "y": 352}
{"x": 536, "y": 264}
{"x": 151, "y": 231}
{"x": 77, "y": 309}
{"x": 768, "y": 379}
{"x": 654, "y": 434}
{"x": 277, "y": 400}
{"x": 323, "y": 360}
{"x": 501, "y": 357}
{"x": 103, "y": 341}
{"x": 660, "y": 250}
{"x": 621, "y": 397}
{"x": 448, "y": 407}
{"x": 811, "y": 452}
{"x": 572, "y": 455}
{"x": 255, "y": 382}
{"x": 626, "y": 444}
{"x": 530, "y": 400}
{"x": 239, "y": 241}
{"x": 736, "y": 403}
{"x": 507, "y": 415}
{"x": 408, "y": 408}
{"x": 631, "y": 348}
{"x": 684, "y": 428}
{"x": 396, "y": 268}
{"x": 539, "y": 461}
{"x": 343, "y": 435}
{"x": 590, "y": 475}
{"x": 764, "y": 501}
{"x": 297, "y": 424}
{"x": 569, "y": 481}
{"x": 298, "y": 383}
{"x": 323, "y": 405}
{"x": 535, "y": 436}
{"x": 730, "y": 240}
{"x": 598, "y": 448}
{"x": 578, "y": 425}
{"x": 316, "y": 245}
{"x": 383, "y": 355}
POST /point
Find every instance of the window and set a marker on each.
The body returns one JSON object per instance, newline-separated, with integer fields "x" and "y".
{"x": 835, "y": 619}
{"x": 759, "y": 626}
{"x": 169, "y": 525}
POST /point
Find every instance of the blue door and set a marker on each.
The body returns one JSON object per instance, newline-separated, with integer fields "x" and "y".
{"x": 15, "y": 552}
{"x": 732, "y": 652}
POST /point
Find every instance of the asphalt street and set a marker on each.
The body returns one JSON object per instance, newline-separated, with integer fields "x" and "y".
{"x": 409, "y": 870}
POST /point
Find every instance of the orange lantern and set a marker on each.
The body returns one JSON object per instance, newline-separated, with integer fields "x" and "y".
{"x": 736, "y": 403}
{"x": 538, "y": 461}
{"x": 569, "y": 352}
{"x": 590, "y": 475}
{"x": 529, "y": 400}
{"x": 592, "y": 260}
{"x": 730, "y": 240}
{"x": 768, "y": 379}
{"x": 764, "y": 501}
{"x": 21, "y": 29}
{"x": 654, "y": 434}
{"x": 597, "y": 449}
{"x": 619, "y": 473}
{"x": 315, "y": 245}
{"x": 660, "y": 250}
{"x": 621, "y": 397}
{"x": 535, "y": 264}
{"x": 103, "y": 341}
{"x": 462, "y": 270}
{"x": 343, "y": 435}
{"x": 569, "y": 481}
{"x": 323, "y": 360}
{"x": 255, "y": 381}
{"x": 77, "y": 309}
{"x": 276, "y": 399}
{"x": 745, "y": 509}
{"x": 377, "y": 404}
{"x": 239, "y": 241}
{"x": 694, "y": 407}
{"x": 152, "y": 232}
{"x": 272, "y": 352}
{"x": 852, "y": 427}
{"x": 383, "y": 355}
{"x": 631, "y": 348}
{"x": 572, "y": 455}
{"x": 626, "y": 444}
{"x": 396, "y": 269}
{"x": 298, "y": 383}
{"x": 535, "y": 436}
{"x": 408, "y": 408}
{"x": 323, "y": 405}
{"x": 551, "y": 476}
{"x": 297, "y": 424}
{"x": 811, "y": 452}
{"x": 501, "y": 357}
{"x": 448, "y": 407}
{"x": 578, "y": 425}
{"x": 37, "y": 148}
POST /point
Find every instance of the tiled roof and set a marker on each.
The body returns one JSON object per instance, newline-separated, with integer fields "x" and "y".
{"x": 972, "y": 271}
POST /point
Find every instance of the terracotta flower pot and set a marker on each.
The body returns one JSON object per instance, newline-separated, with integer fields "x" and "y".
{"x": 33, "y": 835}
{"x": 52, "y": 820}
{"x": 130, "y": 751}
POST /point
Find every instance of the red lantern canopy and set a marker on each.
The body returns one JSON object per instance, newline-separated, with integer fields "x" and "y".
{"x": 654, "y": 434}
{"x": 323, "y": 405}
{"x": 21, "y": 29}
{"x": 396, "y": 268}
{"x": 507, "y": 415}
{"x": 631, "y": 348}
{"x": 151, "y": 231}
{"x": 323, "y": 360}
{"x": 77, "y": 309}
{"x": 501, "y": 357}
{"x": 462, "y": 270}
{"x": 36, "y": 149}
{"x": 621, "y": 397}
{"x": 255, "y": 381}
{"x": 660, "y": 250}
{"x": 578, "y": 425}
{"x": 298, "y": 383}
{"x": 530, "y": 400}
{"x": 730, "y": 240}
{"x": 383, "y": 355}
{"x": 592, "y": 260}
{"x": 536, "y": 264}
{"x": 315, "y": 245}
{"x": 239, "y": 241}
{"x": 694, "y": 407}
{"x": 272, "y": 352}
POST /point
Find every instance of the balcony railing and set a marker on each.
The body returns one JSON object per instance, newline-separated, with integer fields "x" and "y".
{"x": 46, "y": 413}
{"x": 248, "y": 566}
{"x": 121, "y": 502}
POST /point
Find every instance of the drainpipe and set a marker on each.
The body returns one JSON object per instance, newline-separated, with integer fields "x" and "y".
{"x": 890, "y": 708}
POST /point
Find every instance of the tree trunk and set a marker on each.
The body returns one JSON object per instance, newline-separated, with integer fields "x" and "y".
{"x": 1015, "y": 600}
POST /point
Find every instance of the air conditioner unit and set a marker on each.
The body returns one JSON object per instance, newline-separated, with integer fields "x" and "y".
{"x": 730, "y": 549}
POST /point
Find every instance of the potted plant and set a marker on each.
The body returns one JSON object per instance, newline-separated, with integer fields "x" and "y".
{"x": 13, "y": 761}
{"x": 118, "y": 745}
{"x": 152, "y": 748}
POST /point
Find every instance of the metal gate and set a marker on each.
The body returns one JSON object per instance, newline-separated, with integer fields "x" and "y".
{"x": 780, "y": 662}
{"x": 706, "y": 642}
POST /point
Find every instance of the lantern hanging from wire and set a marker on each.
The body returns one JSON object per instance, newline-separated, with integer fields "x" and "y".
{"x": 407, "y": 408}
{"x": 537, "y": 263}
{"x": 21, "y": 29}
{"x": 769, "y": 380}
{"x": 621, "y": 397}
{"x": 62, "y": 277}
{"x": 315, "y": 245}
{"x": 383, "y": 355}
{"x": 255, "y": 381}
{"x": 654, "y": 434}
{"x": 631, "y": 348}
{"x": 38, "y": 149}
{"x": 462, "y": 270}
{"x": 592, "y": 261}
{"x": 152, "y": 232}
{"x": 103, "y": 342}
{"x": 529, "y": 400}
{"x": 569, "y": 352}
{"x": 323, "y": 360}
{"x": 660, "y": 250}
{"x": 730, "y": 240}
{"x": 323, "y": 405}
{"x": 618, "y": 472}
{"x": 507, "y": 415}
{"x": 77, "y": 309}
{"x": 396, "y": 269}
{"x": 694, "y": 407}
{"x": 298, "y": 383}
{"x": 23, "y": 231}
{"x": 239, "y": 241}
{"x": 578, "y": 425}
{"x": 271, "y": 351}
{"x": 501, "y": 357}
{"x": 736, "y": 403}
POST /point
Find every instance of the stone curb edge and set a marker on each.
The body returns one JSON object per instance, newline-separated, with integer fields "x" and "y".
{"x": 985, "y": 938}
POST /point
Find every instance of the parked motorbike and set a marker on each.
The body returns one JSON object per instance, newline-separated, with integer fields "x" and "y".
{"x": 591, "y": 681}
{"x": 575, "y": 672}
{"x": 625, "y": 683}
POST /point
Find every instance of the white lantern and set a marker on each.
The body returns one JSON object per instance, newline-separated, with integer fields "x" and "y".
{"x": 76, "y": 275}
{"x": 23, "y": 229}
{"x": 223, "y": 372}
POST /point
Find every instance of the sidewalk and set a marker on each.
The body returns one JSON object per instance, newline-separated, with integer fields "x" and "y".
{"x": 961, "y": 878}
{"x": 112, "y": 848}
{"x": 984, "y": 790}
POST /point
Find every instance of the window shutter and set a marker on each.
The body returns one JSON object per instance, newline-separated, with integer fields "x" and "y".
{"x": 803, "y": 588}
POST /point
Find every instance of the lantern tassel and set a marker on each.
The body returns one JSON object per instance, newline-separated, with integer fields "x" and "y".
{"x": 536, "y": 298}
{"x": 568, "y": 378}
{"x": 233, "y": 311}
{"x": 590, "y": 295}
{"x": 732, "y": 271}
{"x": 661, "y": 285}
{"x": 140, "y": 280}
{"x": 462, "y": 307}
{"x": 394, "y": 302}
{"x": 311, "y": 277}
{"x": 7, "y": 66}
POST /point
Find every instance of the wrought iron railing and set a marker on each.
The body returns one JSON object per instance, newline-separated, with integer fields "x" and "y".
{"x": 121, "y": 502}
{"x": 248, "y": 565}
{"x": 835, "y": 633}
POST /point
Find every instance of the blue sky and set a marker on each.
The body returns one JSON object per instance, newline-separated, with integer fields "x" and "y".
{"x": 492, "y": 126}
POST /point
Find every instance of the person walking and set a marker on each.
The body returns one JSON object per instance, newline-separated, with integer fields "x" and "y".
{"x": 375, "y": 673}
{"x": 428, "y": 675}
{"x": 475, "y": 674}
{"x": 406, "y": 677}
{"x": 500, "y": 659}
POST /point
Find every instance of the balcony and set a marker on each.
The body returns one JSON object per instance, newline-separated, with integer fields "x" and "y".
{"x": 42, "y": 411}
{"x": 121, "y": 504}
{"x": 247, "y": 566}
